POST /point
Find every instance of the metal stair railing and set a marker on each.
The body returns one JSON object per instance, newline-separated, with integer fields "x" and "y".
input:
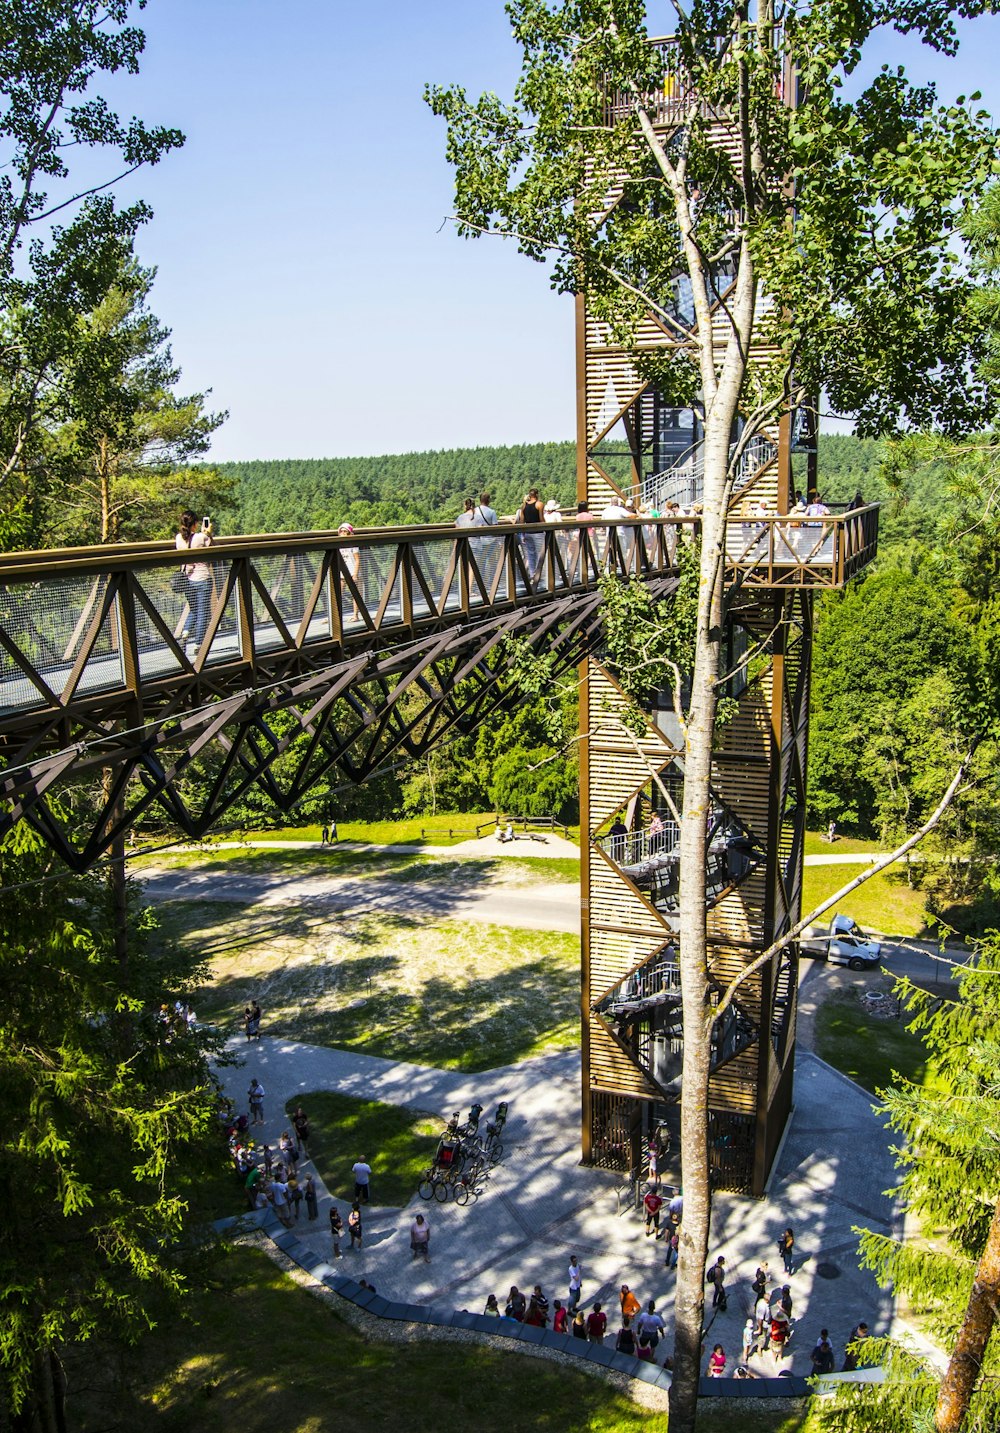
{"x": 684, "y": 481}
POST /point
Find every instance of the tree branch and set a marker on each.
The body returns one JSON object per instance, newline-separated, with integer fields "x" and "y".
{"x": 876, "y": 867}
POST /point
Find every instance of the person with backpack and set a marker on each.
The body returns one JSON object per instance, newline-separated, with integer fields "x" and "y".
{"x": 716, "y": 1276}
{"x": 786, "y": 1246}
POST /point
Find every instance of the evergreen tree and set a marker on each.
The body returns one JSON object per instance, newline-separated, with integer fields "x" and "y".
{"x": 948, "y": 1266}
{"x": 124, "y": 456}
{"x": 109, "y": 1122}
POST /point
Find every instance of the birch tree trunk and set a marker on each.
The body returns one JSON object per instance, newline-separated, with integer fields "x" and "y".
{"x": 695, "y": 989}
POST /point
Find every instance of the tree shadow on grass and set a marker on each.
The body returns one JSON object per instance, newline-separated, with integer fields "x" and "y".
{"x": 471, "y": 1025}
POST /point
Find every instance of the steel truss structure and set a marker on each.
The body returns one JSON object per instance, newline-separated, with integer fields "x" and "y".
{"x": 319, "y": 653}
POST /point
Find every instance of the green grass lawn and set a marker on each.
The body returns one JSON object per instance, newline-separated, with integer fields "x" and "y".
{"x": 346, "y": 862}
{"x": 884, "y": 903}
{"x": 444, "y": 829}
{"x": 458, "y": 995}
{"x": 867, "y": 1049}
{"x": 397, "y": 1143}
{"x": 256, "y": 1353}
{"x": 816, "y": 844}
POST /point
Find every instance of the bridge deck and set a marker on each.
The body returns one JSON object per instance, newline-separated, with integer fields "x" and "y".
{"x": 77, "y": 625}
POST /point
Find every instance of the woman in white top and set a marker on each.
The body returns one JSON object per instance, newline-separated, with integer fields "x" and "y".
{"x": 198, "y": 574}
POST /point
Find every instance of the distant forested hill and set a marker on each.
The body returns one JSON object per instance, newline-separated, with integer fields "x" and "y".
{"x": 297, "y": 494}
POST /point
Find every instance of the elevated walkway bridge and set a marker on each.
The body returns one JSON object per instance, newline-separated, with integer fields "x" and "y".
{"x": 319, "y": 652}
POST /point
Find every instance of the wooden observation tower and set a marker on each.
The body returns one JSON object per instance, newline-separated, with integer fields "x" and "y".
{"x": 632, "y": 444}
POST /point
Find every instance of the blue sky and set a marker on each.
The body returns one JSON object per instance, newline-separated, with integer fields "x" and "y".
{"x": 303, "y": 266}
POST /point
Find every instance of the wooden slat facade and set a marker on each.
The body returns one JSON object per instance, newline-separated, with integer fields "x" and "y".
{"x": 758, "y": 777}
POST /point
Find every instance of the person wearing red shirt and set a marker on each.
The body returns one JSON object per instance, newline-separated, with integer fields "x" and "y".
{"x": 652, "y": 1204}
{"x": 597, "y": 1322}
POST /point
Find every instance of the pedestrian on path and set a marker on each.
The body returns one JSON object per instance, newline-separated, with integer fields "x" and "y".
{"x": 717, "y": 1362}
{"x": 491, "y": 1310}
{"x": 300, "y": 1124}
{"x": 780, "y": 1334}
{"x": 252, "y": 1181}
{"x": 538, "y": 1308}
{"x": 597, "y": 1323}
{"x": 749, "y": 1339}
{"x": 673, "y": 1247}
{"x": 676, "y": 1207}
{"x": 336, "y": 1231}
{"x": 786, "y": 1247}
{"x": 649, "y": 1324}
{"x": 717, "y": 1278}
{"x": 256, "y": 1097}
{"x": 354, "y": 1227}
{"x": 265, "y": 1154}
{"x": 652, "y": 1204}
{"x": 625, "y": 1342}
{"x": 575, "y": 1283}
{"x": 312, "y": 1203}
{"x": 579, "y": 1329}
{"x": 560, "y": 1319}
{"x": 362, "y": 1175}
{"x": 822, "y": 1357}
{"x": 286, "y": 1152}
{"x": 854, "y": 1351}
{"x": 515, "y": 1304}
{"x": 762, "y": 1318}
{"x": 294, "y": 1196}
{"x": 630, "y": 1304}
{"x": 279, "y": 1193}
{"x": 760, "y": 1279}
{"x": 420, "y": 1238}
{"x": 784, "y": 1300}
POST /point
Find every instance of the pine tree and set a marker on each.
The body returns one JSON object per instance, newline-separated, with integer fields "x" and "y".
{"x": 948, "y": 1264}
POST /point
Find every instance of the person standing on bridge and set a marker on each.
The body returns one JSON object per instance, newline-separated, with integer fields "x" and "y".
{"x": 467, "y": 517}
{"x": 199, "y": 576}
{"x": 485, "y": 515}
{"x": 531, "y": 512}
{"x": 350, "y": 558}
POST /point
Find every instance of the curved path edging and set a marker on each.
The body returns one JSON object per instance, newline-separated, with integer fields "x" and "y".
{"x": 646, "y": 1384}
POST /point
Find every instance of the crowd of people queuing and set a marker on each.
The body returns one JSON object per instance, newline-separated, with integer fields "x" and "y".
{"x": 636, "y": 1328}
{"x": 270, "y": 1175}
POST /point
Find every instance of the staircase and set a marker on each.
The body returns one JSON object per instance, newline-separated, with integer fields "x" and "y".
{"x": 684, "y": 481}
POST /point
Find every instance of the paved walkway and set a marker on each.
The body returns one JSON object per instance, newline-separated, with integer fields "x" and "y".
{"x": 540, "y": 1204}
{"x": 462, "y": 896}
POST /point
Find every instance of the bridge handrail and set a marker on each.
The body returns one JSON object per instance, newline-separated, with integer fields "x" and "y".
{"x": 21, "y": 566}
